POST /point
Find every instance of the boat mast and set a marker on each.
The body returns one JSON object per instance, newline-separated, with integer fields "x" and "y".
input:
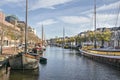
{"x": 95, "y": 46}
{"x": 42, "y": 34}
{"x": 116, "y": 25}
{"x": 63, "y": 36}
{"x": 26, "y": 27}
{"x": 2, "y": 34}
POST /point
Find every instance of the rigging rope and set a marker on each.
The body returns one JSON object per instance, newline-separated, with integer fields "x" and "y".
{"x": 117, "y": 18}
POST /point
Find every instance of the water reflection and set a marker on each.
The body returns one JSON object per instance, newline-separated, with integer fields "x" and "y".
{"x": 24, "y": 74}
{"x": 65, "y": 64}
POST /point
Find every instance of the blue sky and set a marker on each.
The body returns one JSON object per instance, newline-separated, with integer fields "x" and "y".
{"x": 74, "y": 15}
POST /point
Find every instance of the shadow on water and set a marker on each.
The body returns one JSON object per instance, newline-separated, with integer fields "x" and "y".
{"x": 24, "y": 74}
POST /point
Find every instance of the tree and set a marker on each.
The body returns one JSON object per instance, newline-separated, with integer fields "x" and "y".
{"x": 103, "y": 36}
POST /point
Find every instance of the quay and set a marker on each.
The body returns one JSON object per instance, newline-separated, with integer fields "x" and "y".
{"x": 107, "y": 59}
{"x": 106, "y": 56}
{"x": 4, "y": 65}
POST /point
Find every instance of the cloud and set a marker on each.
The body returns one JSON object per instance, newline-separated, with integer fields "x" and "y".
{"x": 14, "y": 1}
{"x": 111, "y": 6}
{"x": 47, "y": 22}
{"x": 104, "y": 17}
{"x": 3, "y": 2}
{"x": 0, "y": 9}
{"x": 110, "y": 19}
{"x": 47, "y": 4}
{"x": 101, "y": 25}
{"x": 106, "y": 20}
{"x": 74, "y": 19}
{"x": 102, "y": 20}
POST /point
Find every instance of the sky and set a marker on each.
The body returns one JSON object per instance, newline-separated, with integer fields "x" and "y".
{"x": 74, "y": 15}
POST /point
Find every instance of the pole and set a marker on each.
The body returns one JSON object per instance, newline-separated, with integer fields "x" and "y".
{"x": 63, "y": 36}
{"x": 95, "y": 46}
{"x": 116, "y": 32}
{"x": 26, "y": 27}
{"x": 2, "y": 33}
{"x": 42, "y": 34}
{"x": 15, "y": 38}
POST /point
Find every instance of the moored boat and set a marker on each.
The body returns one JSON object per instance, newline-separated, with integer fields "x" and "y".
{"x": 24, "y": 61}
{"x": 43, "y": 60}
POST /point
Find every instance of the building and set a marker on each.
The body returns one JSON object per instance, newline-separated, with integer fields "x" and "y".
{"x": 2, "y": 16}
{"x": 32, "y": 30}
{"x": 115, "y": 38}
{"x": 12, "y": 19}
{"x": 3, "y": 23}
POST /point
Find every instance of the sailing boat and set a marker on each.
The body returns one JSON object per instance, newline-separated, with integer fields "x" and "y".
{"x": 25, "y": 60}
{"x": 43, "y": 39}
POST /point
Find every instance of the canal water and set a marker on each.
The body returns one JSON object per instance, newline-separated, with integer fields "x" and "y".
{"x": 65, "y": 64}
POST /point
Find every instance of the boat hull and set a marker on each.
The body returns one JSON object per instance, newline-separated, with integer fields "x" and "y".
{"x": 23, "y": 62}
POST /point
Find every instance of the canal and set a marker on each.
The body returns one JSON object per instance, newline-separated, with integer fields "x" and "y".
{"x": 65, "y": 64}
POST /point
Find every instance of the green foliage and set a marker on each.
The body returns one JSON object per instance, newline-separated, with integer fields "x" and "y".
{"x": 105, "y": 36}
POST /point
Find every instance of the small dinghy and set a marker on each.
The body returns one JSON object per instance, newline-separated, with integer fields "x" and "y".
{"x": 43, "y": 60}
